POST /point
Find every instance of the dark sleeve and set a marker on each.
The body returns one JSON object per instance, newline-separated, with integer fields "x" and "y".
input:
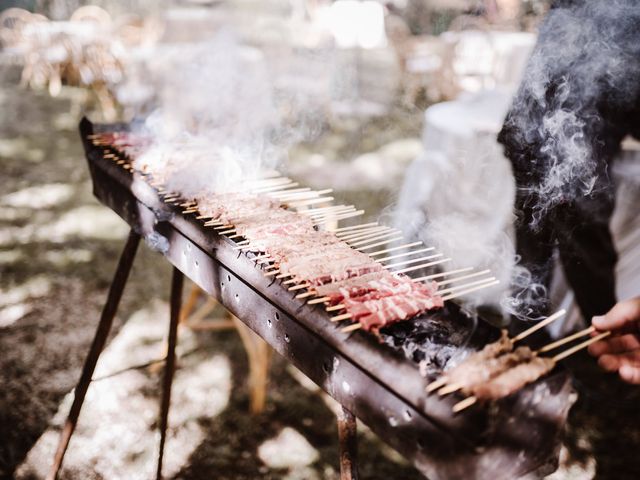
{"x": 579, "y": 97}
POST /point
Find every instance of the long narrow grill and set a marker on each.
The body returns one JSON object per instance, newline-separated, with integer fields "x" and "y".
{"x": 377, "y": 379}
{"x": 285, "y": 225}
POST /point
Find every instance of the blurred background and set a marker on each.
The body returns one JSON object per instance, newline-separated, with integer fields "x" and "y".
{"x": 394, "y": 104}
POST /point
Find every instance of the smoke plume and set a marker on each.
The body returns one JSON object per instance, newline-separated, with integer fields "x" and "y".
{"x": 218, "y": 119}
{"x": 571, "y": 111}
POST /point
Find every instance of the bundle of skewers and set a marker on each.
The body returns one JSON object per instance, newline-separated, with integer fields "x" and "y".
{"x": 360, "y": 272}
{"x": 504, "y": 367}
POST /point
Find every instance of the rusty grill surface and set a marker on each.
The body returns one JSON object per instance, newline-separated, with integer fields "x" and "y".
{"x": 379, "y": 382}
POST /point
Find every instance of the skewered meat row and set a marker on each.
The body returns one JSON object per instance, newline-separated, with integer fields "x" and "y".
{"x": 321, "y": 260}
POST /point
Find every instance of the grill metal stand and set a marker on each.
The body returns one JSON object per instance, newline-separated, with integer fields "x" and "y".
{"x": 346, "y": 420}
{"x": 99, "y": 340}
{"x": 382, "y": 388}
{"x": 176, "y": 299}
{"x": 347, "y": 434}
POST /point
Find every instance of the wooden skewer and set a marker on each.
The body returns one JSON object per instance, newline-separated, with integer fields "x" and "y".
{"x": 305, "y": 294}
{"x": 289, "y": 282}
{"x": 311, "y": 201}
{"x": 372, "y": 237}
{"x": 466, "y": 285}
{"x": 335, "y": 308}
{"x": 467, "y": 402}
{"x": 446, "y": 390}
{"x": 360, "y": 234}
{"x": 266, "y": 183}
{"x": 464, "y": 404}
{"x": 355, "y": 227}
{"x": 288, "y": 192}
{"x": 377, "y": 244}
{"x": 330, "y": 214}
{"x": 539, "y": 325}
{"x": 442, "y": 274}
{"x": 395, "y": 249}
{"x": 451, "y": 296}
{"x": 303, "y": 195}
{"x": 224, "y": 227}
{"x": 344, "y": 216}
{"x": 351, "y": 328}
{"x": 339, "y": 318}
{"x": 423, "y": 265}
{"x": 275, "y": 188}
{"x": 436, "y": 384}
{"x": 350, "y": 235}
{"x": 227, "y": 232}
{"x": 580, "y": 346}
{"x": 464, "y": 277}
{"x": 299, "y": 287}
{"x": 406, "y": 254}
{"x": 363, "y": 238}
{"x": 318, "y": 300}
{"x": 415, "y": 260}
{"x": 570, "y": 338}
{"x": 319, "y": 210}
{"x": 328, "y": 210}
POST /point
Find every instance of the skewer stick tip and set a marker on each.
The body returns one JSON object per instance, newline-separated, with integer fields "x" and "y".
{"x": 464, "y": 404}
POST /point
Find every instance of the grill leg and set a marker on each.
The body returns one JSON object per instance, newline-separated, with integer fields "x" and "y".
{"x": 348, "y": 445}
{"x": 170, "y": 365}
{"x": 99, "y": 340}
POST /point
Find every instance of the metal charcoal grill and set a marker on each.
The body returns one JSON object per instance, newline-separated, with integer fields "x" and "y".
{"x": 378, "y": 382}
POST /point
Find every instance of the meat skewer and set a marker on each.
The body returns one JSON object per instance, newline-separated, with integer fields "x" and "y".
{"x": 491, "y": 350}
{"x": 359, "y": 325}
{"x": 522, "y": 374}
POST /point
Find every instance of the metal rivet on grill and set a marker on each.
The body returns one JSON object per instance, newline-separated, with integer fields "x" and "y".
{"x": 325, "y": 367}
{"x": 286, "y": 338}
{"x": 407, "y": 415}
{"x": 237, "y": 297}
{"x": 345, "y": 386}
{"x": 228, "y": 278}
{"x": 197, "y": 264}
{"x": 277, "y": 316}
{"x": 269, "y": 322}
{"x": 393, "y": 422}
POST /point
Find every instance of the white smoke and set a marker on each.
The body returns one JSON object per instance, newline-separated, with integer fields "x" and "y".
{"x": 217, "y": 121}
{"x": 584, "y": 65}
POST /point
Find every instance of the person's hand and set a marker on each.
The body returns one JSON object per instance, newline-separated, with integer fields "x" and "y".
{"x": 620, "y": 352}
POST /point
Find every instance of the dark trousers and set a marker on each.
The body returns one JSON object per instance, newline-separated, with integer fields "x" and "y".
{"x": 579, "y": 230}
